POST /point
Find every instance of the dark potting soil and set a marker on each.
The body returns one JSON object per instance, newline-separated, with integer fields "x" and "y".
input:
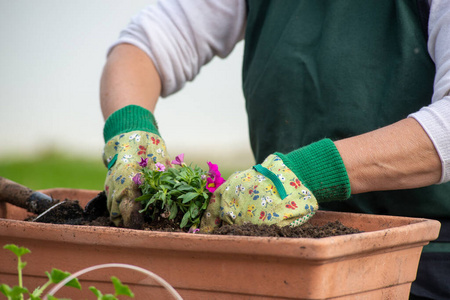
{"x": 70, "y": 212}
{"x": 306, "y": 230}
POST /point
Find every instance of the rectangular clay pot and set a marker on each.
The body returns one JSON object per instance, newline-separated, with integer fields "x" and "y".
{"x": 380, "y": 263}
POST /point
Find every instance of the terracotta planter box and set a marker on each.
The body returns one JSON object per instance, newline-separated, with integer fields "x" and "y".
{"x": 380, "y": 263}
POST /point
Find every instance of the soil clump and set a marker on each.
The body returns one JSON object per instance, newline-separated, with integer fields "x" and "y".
{"x": 70, "y": 212}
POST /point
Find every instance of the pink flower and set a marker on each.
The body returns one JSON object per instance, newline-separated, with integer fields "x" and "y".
{"x": 213, "y": 169}
{"x": 213, "y": 183}
{"x": 160, "y": 167}
{"x": 144, "y": 162}
{"x": 215, "y": 178}
{"x": 179, "y": 160}
{"x": 193, "y": 230}
{"x": 137, "y": 179}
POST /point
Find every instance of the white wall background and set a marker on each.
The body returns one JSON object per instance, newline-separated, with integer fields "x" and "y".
{"x": 51, "y": 56}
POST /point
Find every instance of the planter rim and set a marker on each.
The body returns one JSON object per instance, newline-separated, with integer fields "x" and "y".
{"x": 300, "y": 248}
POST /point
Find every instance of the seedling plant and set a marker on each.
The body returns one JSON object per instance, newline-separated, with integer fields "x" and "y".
{"x": 184, "y": 189}
{"x": 20, "y": 292}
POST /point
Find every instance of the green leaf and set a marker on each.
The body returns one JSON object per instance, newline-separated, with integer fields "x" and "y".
{"x": 109, "y": 297}
{"x": 50, "y": 297}
{"x": 163, "y": 197}
{"x": 194, "y": 211}
{"x": 173, "y": 211}
{"x": 38, "y": 291}
{"x": 121, "y": 289}
{"x": 21, "y": 265}
{"x": 33, "y": 297}
{"x": 56, "y": 276}
{"x": 165, "y": 187}
{"x": 153, "y": 199}
{"x": 13, "y": 293}
{"x": 18, "y": 251}
{"x": 188, "y": 197}
{"x": 185, "y": 219}
{"x": 96, "y": 292}
{"x": 150, "y": 202}
{"x": 175, "y": 193}
{"x": 143, "y": 198}
{"x": 184, "y": 187}
{"x": 5, "y": 289}
{"x": 171, "y": 182}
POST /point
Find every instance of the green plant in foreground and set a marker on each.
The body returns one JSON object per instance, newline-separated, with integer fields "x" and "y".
{"x": 185, "y": 189}
{"x": 120, "y": 289}
{"x": 55, "y": 276}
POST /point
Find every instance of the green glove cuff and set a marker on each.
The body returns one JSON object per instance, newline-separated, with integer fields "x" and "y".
{"x": 321, "y": 169}
{"x": 129, "y": 118}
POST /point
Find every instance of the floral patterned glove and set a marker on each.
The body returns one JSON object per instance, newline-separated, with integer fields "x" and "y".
{"x": 132, "y": 141}
{"x": 283, "y": 190}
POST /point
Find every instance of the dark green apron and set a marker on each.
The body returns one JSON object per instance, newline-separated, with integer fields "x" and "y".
{"x": 335, "y": 69}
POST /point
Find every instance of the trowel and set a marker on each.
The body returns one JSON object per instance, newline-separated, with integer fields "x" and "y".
{"x": 21, "y": 196}
{"x": 39, "y": 203}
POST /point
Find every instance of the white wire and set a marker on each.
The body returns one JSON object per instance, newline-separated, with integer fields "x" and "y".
{"x": 49, "y": 209}
{"x": 116, "y": 265}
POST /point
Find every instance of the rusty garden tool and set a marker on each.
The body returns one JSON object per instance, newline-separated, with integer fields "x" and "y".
{"x": 21, "y": 196}
{"x": 41, "y": 204}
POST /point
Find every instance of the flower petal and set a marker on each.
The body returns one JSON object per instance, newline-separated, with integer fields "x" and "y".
{"x": 213, "y": 169}
{"x": 144, "y": 162}
{"x": 179, "y": 159}
{"x": 137, "y": 179}
{"x": 160, "y": 167}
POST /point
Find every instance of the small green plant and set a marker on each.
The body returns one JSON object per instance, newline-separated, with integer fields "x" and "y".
{"x": 119, "y": 288}
{"x": 168, "y": 191}
{"x": 54, "y": 277}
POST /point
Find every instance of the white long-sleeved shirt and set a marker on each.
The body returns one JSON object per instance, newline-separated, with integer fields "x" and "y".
{"x": 182, "y": 36}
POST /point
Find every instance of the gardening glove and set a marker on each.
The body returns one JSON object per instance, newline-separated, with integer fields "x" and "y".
{"x": 132, "y": 141}
{"x": 283, "y": 190}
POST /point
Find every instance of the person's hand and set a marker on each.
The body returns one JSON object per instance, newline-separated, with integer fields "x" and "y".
{"x": 132, "y": 142}
{"x": 269, "y": 193}
{"x": 283, "y": 190}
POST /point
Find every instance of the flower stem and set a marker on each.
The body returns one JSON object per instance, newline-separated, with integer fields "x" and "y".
{"x": 39, "y": 291}
{"x": 19, "y": 273}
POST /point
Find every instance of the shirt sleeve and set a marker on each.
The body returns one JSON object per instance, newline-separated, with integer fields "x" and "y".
{"x": 435, "y": 118}
{"x": 182, "y": 36}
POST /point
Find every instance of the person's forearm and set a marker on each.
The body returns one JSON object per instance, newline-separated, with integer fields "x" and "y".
{"x": 129, "y": 77}
{"x": 399, "y": 156}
